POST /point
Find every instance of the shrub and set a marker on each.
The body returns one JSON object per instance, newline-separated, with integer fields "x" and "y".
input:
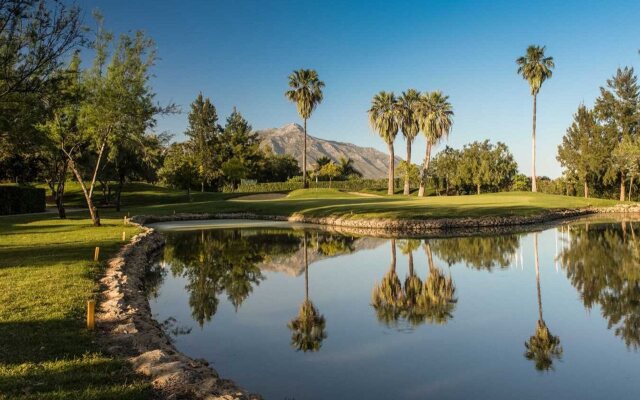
{"x": 21, "y": 200}
{"x": 351, "y": 185}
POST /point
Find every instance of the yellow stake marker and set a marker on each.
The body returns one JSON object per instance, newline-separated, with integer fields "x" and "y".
{"x": 125, "y": 220}
{"x": 96, "y": 254}
{"x": 91, "y": 314}
{"x": 124, "y": 236}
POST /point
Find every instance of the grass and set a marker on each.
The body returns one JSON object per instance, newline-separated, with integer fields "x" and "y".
{"x": 46, "y": 274}
{"x": 46, "y": 277}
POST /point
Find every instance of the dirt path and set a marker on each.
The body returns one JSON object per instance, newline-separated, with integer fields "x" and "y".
{"x": 361, "y": 194}
{"x": 262, "y": 196}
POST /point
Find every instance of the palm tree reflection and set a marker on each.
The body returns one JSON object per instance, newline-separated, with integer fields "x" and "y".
{"x": 416, "y": 302}
{"x": 542, "y": 347}
{"x": 308, "y": 327}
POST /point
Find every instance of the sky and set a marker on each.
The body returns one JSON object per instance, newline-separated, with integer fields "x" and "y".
{"x": 240, "y": 53}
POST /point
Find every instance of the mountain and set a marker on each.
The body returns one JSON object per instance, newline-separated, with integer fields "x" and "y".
{"x": 289, "y": 139}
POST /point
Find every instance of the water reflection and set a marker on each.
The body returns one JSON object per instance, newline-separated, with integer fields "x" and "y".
{"x": 479, "y": 252}
{"x": 415, "y": 302}
{"x": 308, "y": 327}
{"x": 542, "y": 347}
{"x": 602, "y": 262}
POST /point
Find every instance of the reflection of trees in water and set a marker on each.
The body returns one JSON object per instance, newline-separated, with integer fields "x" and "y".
{"x": 415, "y": 302}
{"x": 480, "y": 252}
{"x": 223, "y": 261}
{"x": 542, "y": 347}
{"x": 308, "y": 327}
{"x": 331, "y": 245}
{"x": 602, "y": 262}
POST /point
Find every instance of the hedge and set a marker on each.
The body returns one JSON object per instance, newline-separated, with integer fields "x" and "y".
{"x": 21, "y": 200}
{"x": 289, "y": 186}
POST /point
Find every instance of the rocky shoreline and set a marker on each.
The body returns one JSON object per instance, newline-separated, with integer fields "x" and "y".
{"x": 128, "y": 329}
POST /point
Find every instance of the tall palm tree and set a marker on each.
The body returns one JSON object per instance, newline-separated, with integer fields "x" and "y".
{"x": 347, "y": 168}
{"x": 535, "y": 68}
{"x": 383, "y": 118}
{"x": 542, "y": 347}
{"x": 306, "y": 91}
{"x": 436, "y": 120}
{"x": 408, "y": 111}
{"x": 308, "y": 327}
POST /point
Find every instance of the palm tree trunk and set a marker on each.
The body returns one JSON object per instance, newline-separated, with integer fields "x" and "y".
{"x": 407, "y": 188}
{"x": 630, "y": 187}
{"x": 425, "y": 168}
{"x": 535, "y": 258}
{"x": 393, "y": 254}
{"x": 427, "y": 249}
{"x": 622, "y": 188}
{"x": 306, "y": 268}
{"x": 390, "y": 185}
{"x": 305, "y": 184}
{"x": 411, "y": 273}
{"x": 534, "y": 185}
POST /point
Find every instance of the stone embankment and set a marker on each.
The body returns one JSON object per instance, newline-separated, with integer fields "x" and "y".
{"x": 128, "y": 328}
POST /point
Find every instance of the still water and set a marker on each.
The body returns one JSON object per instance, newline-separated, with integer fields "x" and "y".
{"x": 301, "y": 313}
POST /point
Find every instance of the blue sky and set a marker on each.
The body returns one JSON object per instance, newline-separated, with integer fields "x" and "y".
{"x": 239, "y": 53}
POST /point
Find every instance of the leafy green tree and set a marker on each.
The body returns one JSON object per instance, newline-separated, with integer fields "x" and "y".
{"x": 234, "y": 170}
{"x": 410, "y": 124}
{"x": 203, "y": 134}
{"x": 617, "y": 109}
{"x": 383, "y": 118}
{"x": 520, "y": 183}
{"x": 445, "y": 169}
{"x": 277, "y": 167}
{"x": 626, "y": 156}
{"x": 330, "y": 171}
{"x": 436, "y": 120}
{"x": 180, "y": 169}
{"x": 535, "y": 68}
{"x": 408, "y": 172}
{"x": 305, "y": 90}
{"x": 581, "y": 152}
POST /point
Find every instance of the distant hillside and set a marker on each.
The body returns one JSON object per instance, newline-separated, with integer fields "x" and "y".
{"x": 289, "y": 140}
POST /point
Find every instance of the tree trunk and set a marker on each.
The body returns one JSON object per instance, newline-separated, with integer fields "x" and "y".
{"x": 407, "y": 188}
{"x": 57, "y": 185}
{"x": 305, "y": 184}
{"x": 427, "y": 249}
{"x": 390, "y": 184}
{"x": 93, "y": 211}
{"x": 202, "y": 187}
{"x": 534, "y": 184}
{"x": 478, "y": 187}
{"x": 622, "y": 188}
{"x": 393, "y": 254}
{"x": 425, "y": 167}
{"x": 586, "y": 190}
{"x": 630, "y": 187}
{"x": 119, "y": 193}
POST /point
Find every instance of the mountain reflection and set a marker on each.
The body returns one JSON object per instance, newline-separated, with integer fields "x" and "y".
{"x": 602, "y": 261}
{"x": 224, "y": 261}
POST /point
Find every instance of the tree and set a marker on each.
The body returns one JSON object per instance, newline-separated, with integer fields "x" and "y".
{"x": 347, "y": 170}
{"x": 617, "y": 109}
{"x": 234, "y": 170}
{"x": 383, "y": 118}
{"x": 408, "y": 172}
{"x": 445, "y": 168}
{"x": 436, "y": 120}
{"x": 581, "y": 152}
{"x": 306, "y": 91}
{"x": 331, "y": 171}
{"x": 535, "y": 68}
{"x": 626, "y": 157}
{"x": 179, "y": 169}
{"x": 35, "y": 36}
{"x": 409, "y": 123}
{"x": 203, "y": 134}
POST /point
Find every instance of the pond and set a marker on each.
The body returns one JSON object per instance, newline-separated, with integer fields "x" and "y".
{"x": 303, "y": 313}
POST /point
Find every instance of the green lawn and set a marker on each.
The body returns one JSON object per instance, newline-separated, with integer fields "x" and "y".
{"x": 46, "y": 275}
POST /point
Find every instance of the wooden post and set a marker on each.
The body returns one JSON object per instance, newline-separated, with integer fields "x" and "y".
{"x": 91, "y": 314}
{"x": 126, "y": 222}
{"x": 96, "y": 254}
{"x": 124, "y": 236}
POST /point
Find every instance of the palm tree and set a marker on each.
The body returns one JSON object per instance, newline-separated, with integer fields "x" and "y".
{"x": 383, "y": 118}
{"x": 306, "y": 91}
{"x": 347, "y": 169}
{"x": 535, "y": 68}
{"x": 436, "y": 120}
{"x": 408, "y": 110}
{"x": 308, "y": 327}
{"x": 542, "y": 347}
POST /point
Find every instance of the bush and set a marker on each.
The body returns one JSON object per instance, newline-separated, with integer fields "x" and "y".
{"x": 351, "y": 185}
{"x": 21, "y": 200}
